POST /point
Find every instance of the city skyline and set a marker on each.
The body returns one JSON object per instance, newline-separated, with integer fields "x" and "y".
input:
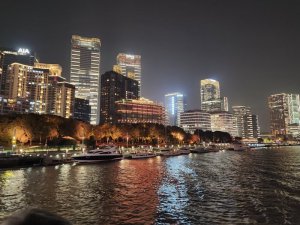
{"x": 248, "y": 42}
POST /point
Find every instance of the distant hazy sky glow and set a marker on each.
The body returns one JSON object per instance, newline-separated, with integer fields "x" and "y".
{"x": 251, "y": 47}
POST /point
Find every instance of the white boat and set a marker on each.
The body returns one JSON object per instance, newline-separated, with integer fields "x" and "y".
{"x": 238, "y": 147}
{"x": 103, "y": 153}
{"x": 168, "y": 152}
{"x": 198, "y": 149}
{"x": 212, "y": 148}
{"x": 184, "y": 151}
{"x": 141, "y": 155}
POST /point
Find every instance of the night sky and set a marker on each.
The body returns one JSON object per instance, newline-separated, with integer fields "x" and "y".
{"x": 251, "y": 47}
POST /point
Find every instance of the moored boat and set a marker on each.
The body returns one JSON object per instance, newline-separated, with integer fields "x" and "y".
{"x": 238, "y": 147}
{"x": 198, "y": 149}
{"x": 15, "y": 160}
{"x": 168, "y": 152}
{"x": 103, "y": 153}
{"x": 212, "y": 148}
{"x": 141, "y": 155}
{"x": 184, "y": 151}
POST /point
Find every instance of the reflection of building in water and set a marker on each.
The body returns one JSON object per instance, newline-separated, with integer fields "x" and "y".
{"x": 145, "y": 177}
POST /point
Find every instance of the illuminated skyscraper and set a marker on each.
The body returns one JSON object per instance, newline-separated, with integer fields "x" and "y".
{"x": 9, "y": 56}
{"x": 27, "y": 82}
{"x": 192, "y": 120}
{"x": 130, "y": 66}
{"x": 54, "y": 69}
{"x": 247, "y": 123}
{"x": 65, "y": 95}
{"x": 82, "y": 109}
{"x": 85, "y": 72}
{"x": 284, "y": 113}
{"x": 239, "y": 112}
{"x": 210, "y": 96}
{"x": 224, "y": 121}
{"x": 60, "y": 97}
{"x": 174, "y": 104}
{"x": 139, "y": 111}
{"x": 115, "y": 87}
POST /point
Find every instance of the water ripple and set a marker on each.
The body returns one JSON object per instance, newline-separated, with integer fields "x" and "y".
{"x": 256, "y": 187}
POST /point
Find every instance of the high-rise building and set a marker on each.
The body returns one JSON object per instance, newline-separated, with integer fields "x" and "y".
{"x": 115, "y": 87}
{"x": 284, "y": 113}
{"x": 29, "y": 83}
{"x": 224, "y": 121}
{"x": 53, "y": 81}
{"x": 247, "y": 123}
{"x": 192, "y": 120}
{"x": 54, "y": 69}
{"x": 130, "y": 66}
{"x": 85, "y": 72}
{"x": 45, "y": 93}
{"x": 174, "y": 104}
{"x": 256, "y": 127}
{"x": 82, "y": 109}
{"x": 224, "y": 104}
{"x": 9, "y": 56}
{"x": 139, "y": 111}
{"x": 210, "y": 96}
{"x": 65, "y": 96}
{"x": 17, "y": 105}
{"x": 239, "y": 112}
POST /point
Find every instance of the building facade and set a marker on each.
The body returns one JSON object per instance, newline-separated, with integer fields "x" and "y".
{"x": 17, "y": 105}
{"x": 82, "y": 109}
{"x": 247, "y": 123}
{"x": 9, "y": 56}
{"x": 130, "y": 66}
{"x": 224, "y": 121}
{"x": 255, "y": 127}
{"x": 85, "y": 72}
{"x": 239, "y": 112}
{"x": 115, "y": 87}
{"x": 192, "y": 120}
{"x": 174, "y": 104}
{"x": 42, "y": 92}
{"x": 54, "y": 69}
{"x": 139, "y": 111}
{"x": 211, "y": 100}
{"x": 29, "y": 83}
{"x": 284, "y": 114}
{"x": 53, "y": 81}
{"x": 65, "y": 97}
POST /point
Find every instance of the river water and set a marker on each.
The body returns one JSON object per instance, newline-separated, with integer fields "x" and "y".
{"x": 254, "y": 187}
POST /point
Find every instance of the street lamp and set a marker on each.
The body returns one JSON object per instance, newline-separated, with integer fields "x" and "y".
{"x": 13, "y": 141}
{"x": 127, "y": 138}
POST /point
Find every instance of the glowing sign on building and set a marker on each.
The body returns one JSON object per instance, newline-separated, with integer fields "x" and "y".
{"x": 23, "y": 51}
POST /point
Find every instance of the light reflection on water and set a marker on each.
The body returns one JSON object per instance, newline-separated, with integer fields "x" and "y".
{"x": 261, "y": 186}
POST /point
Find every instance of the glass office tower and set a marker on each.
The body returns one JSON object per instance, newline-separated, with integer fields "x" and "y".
{"x": 85, "y": 72}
